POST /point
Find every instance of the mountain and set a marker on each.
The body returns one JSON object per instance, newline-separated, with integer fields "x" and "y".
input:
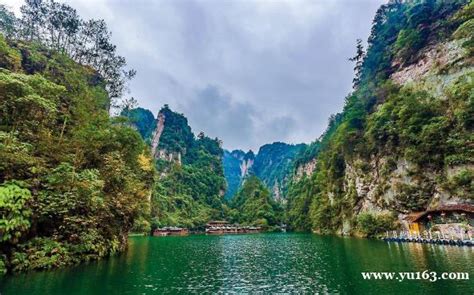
{"x": 190, "y": 187}
{"x": 403, "y": 142}
{"x": 272, "y": 164}
{"x": 236, "y": 167}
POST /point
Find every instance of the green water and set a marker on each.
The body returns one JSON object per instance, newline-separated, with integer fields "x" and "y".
{"x": 260, "y": 263}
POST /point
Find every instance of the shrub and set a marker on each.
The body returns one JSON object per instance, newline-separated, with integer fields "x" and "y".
{"x": 13, "y": 212}
{"x": 373, "y": 225}
{"x": 3, "y": 268}
{"x": 461, "y": 184}
{"x": 41, "y": 253}
{"x": 409, "y": 41}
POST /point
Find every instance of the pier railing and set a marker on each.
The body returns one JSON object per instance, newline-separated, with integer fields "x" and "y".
{"x": 428, "y": 236}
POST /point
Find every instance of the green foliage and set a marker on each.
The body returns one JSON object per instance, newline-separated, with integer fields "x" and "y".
{"x": 10, "y": 58}
{"x": 3, "y": 267}
{"x": 89, "y": 178}
{"x": 382, "y": 120}
{"x": 58, "y": 27}
{"x": 41, "y": 253}
{"x": 372, "y": 225}
{"x": 466, "y": 17}
{"x": 274, "y": 162}
{"x": 177, "y": 135}
{"x": 189, "y": 192}
{"x": 410, "y": 119}
{"x": 254, "y": 205}
{"x": 307, "y": 154}
{"x": 299, "y": 201}
{"x": 409, "y": 41}
{"x": 188, "y": 196}
{"x": 414, "y": 197}
{"x": 8, "y": 21}
{"x": 141, "y": 225}
{"x": 461, "y": 184}
{"x": 14, "y": 212}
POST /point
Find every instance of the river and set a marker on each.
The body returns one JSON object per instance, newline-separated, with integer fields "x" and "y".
{"x": 255, "y": 263}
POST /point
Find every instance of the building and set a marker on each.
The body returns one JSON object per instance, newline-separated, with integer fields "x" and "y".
{"x": 170, "y": 231}
{"x": 454, "y": 222}
{"x": 223, "y": 227}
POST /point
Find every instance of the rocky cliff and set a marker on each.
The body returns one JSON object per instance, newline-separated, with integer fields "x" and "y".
{"x": 392, "y": 182}
{"x": 237, "y": 165}
{"x": 403, "y": 142}
{"x": 273, "y": 164}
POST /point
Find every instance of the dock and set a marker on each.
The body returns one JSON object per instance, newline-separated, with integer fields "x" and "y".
{"x": 427, "y": 238}
{"x": 224, "y": 227}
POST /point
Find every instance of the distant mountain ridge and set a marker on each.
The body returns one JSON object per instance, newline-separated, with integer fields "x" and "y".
{"x": 273, "y": 164}
{"x": 236, "y": 168}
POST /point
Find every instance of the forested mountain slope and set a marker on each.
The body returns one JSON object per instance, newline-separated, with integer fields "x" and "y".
{"x": 190, "y": 186}
{"x": 404, "y": 141}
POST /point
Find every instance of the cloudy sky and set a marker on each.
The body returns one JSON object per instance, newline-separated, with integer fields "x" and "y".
{"x": 248, "y": 72}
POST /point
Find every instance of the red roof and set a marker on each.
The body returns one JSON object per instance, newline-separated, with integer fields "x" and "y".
{"x": 416, "y": 216}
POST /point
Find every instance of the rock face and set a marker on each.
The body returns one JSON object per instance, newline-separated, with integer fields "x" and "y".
{"x": 387, "y": 182}
{"x": 245, "y": 166}
{"x": 437, "y": 67}
{"x": 305, "y": 169}
{"x": 272, "y": 164}
{"x": 403, "y": 142}
{"x": 162, "y": 153}
{"x": 237, "y": 166}
{"x": 156, "y": 136}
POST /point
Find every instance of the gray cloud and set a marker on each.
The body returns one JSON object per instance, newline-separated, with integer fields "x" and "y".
{"x": 247, "y": 71}
{"x": 212, "y": 108}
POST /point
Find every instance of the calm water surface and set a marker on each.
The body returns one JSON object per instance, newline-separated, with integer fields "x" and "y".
{"x": 260, "y": 263}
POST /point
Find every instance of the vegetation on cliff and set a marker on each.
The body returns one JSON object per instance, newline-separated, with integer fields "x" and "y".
{"x": 273, "y": 164}
{"x": 189, "y": 188}
{"x": 386, "y": 122}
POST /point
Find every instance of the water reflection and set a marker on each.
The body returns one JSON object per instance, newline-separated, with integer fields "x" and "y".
{"x": 268, "y": 263}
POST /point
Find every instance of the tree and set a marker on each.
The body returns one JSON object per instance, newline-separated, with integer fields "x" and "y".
{"x": 74, "y": 181}
{"x": 254, "y": 204}
{"x": 358, "y": 59}
{"x": 8, "y": 22}
{"x": 57, "y": 26}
